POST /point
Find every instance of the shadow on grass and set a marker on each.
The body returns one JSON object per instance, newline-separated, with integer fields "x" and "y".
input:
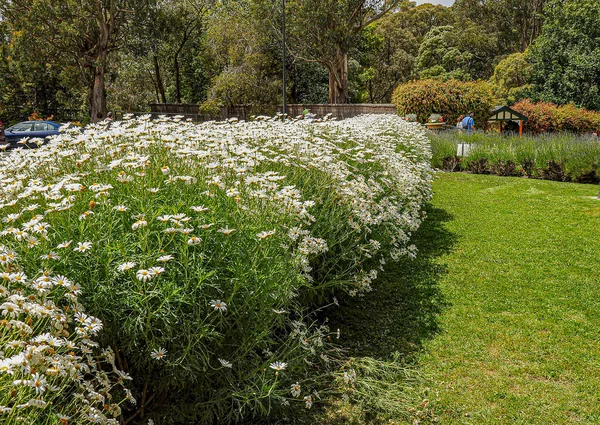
{"x": 403, "y": 308}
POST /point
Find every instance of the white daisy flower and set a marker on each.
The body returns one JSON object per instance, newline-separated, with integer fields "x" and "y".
{"x": 32, "y": 241}
{"x": 18, "y": 277}
{"x": 126, "y": 266}
{"x": 225, "y": 363}
{"x": 20, "y": 234}
{"x": 156, "y": 270}
{"x": 194, "y": 240}
{"x": 226, "y": 230}
{"x": 219, "y": 305}
{"x": 6, "y": 366}
{"x": 6, "y": 257}
{"x": 231, "y": 192}
{"x": 308, "y": 401}
{"x": 121, "y": 208}
{"x": 50, "y": 256}
{"x": 36, "y": 402}
{"x": 278, "y": 365}
{"x": 62, "y": 281}
{"x": 64, "y": 245}
{"x": 86, "y": 214}
{"x": 38, "y": 383}
{"x": 199, "y": 209}
{"x": 83, "y": 246}
{"x": 144, "y": 275}
{"x": 295, "y": 390}
{"x": 263, "y": 235}
{"x": 164, "y": 258}
{"x": 138, "y": 224}
{"x": 158, "y": 354}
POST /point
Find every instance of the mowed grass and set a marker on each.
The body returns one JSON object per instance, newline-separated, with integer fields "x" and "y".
{"x": 501, "y": 311}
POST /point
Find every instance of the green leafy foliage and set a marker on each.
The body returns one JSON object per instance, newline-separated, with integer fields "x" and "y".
{"x": 243, "y": 70}
{"x": 451, "y": 99}
{"x": 566, "y": 56}
{"x": 52, "y": 369}
{"x": 463, "y": 53}
{"x": 386, "y": 59}
{"x": 511, "y": 79}
{"x": 515, "y": 24}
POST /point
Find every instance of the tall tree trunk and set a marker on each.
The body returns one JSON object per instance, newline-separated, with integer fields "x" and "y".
{"x": 159, "y": 81}
{"x": 177, "y": 78}
{"x": 106, "y": 15}
{"x": 98, "y": 96}
{"x": 186, "y": 36}
{"x": 338, "y": 79}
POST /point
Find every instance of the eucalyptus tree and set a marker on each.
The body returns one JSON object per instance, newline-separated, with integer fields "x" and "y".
{"x": 75, "y": 35}
{"x": 326, "y": 31}
{"x": 464, "y": 53}
{"x": 243, "y": 55}
{"x": 28, "y": 80}
{"x": 176, "y": 25}
{"x": 517, "y": 23}
{"x": 419, "y": 20}
{"x": 387, "y": 58}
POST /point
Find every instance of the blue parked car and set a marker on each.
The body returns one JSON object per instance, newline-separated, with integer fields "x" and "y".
{"x": 31, "y": 129}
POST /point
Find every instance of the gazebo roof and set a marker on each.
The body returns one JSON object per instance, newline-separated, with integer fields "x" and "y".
{"x": 504, "y": 113}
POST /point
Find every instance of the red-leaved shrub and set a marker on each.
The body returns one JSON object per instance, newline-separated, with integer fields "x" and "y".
{"x": 547, "y": 117}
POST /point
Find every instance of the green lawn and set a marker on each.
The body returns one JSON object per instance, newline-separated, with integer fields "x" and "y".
{"x": 501, "y": 311}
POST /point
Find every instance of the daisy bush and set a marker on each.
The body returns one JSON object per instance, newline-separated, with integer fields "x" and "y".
{"x": 207, "y": 249}
{"x": 51, "y": 369}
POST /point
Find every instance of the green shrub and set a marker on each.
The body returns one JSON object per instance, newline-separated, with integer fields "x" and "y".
{"x": 211, "y": 107}
{"x": 451, "y": 99}
{"x": 207, "y": 249}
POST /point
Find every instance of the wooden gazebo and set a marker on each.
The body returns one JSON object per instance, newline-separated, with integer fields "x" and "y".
{"x": 504, "y": 113}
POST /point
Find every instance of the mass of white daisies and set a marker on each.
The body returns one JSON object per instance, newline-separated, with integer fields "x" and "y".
{"x": 202, "y": 248}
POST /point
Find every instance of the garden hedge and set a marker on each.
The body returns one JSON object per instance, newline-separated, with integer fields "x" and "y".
{"x": 451, "y": 99}
{"x": 546, "y": 117}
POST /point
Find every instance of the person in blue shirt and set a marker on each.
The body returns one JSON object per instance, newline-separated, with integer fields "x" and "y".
{"x": 468, "y": 123}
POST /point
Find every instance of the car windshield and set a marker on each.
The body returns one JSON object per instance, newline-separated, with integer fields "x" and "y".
{"x": 21, "y": 127}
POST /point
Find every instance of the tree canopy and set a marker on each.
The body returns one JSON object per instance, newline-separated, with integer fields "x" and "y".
{"x": 85, "y": 57}
{"x": 566, "y": 56}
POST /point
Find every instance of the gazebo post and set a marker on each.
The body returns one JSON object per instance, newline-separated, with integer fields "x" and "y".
{"x": 500, "y": 131}
{"x": 520, "y": 129}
